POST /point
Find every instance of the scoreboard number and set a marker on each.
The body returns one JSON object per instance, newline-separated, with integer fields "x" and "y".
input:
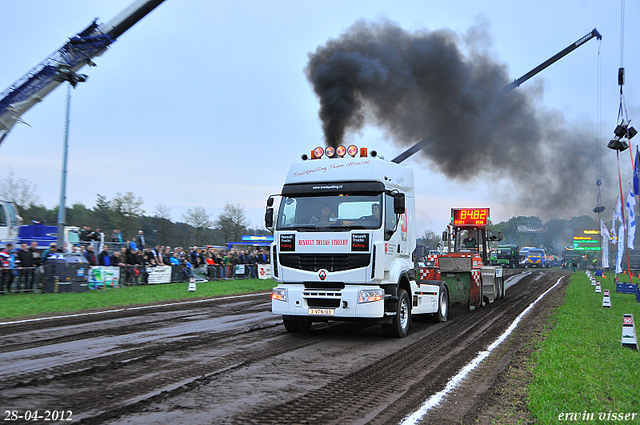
{"x": 470, "y": 216}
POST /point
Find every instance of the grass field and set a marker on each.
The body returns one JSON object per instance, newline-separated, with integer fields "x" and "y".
{"x": 581, "y": 372}
{"x": 17, "y": 305}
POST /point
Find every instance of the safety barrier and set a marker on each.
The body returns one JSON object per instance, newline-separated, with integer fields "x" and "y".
{"x": 626, "y": 288}
{"x": 38, "y": 279}
{"x": 23, "y": 279}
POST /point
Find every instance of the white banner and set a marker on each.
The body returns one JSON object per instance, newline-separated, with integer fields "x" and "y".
{"x": 100, "y": 276}
{"x": 159, "y": 274}
{"x": 620, "y": 249}
{"x": 606, "y": 238}
{"x": 631, "y": 203}
{"x": 264, "y": 271}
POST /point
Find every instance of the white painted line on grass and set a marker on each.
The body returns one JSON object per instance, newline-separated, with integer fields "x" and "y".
{"x": 435, "y": 399}
{"x": 144, "y": 307}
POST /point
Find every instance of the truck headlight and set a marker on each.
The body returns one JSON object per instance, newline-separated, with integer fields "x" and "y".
{"x": 370, "y": 295}
{"x": 279, "y": 294}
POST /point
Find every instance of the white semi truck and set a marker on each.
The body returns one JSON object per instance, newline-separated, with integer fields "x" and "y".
{"x": 344, "y": 234}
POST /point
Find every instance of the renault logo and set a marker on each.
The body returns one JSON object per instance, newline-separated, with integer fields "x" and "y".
{"x": 322, "y": 274}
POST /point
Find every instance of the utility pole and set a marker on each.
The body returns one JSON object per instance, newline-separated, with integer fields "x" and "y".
{"x": 63, "y": 186}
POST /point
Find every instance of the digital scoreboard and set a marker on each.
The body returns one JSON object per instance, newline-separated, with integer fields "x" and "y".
{"x": 586, "y": 240}
{"x": 469, "y": 216}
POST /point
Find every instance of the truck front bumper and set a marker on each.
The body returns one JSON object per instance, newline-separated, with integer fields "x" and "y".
{"x": 327, "y": 304}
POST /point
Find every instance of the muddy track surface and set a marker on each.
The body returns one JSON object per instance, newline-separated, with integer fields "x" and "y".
{"x": 230, "y": 361}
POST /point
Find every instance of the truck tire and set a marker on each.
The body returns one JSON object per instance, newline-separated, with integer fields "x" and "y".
{"x": 442, "y": 315}
{"x": 402, "y": 320}
{"x": 292, "y": 325}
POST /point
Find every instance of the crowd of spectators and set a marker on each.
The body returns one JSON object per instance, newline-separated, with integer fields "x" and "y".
{"x": 133, "y": 257}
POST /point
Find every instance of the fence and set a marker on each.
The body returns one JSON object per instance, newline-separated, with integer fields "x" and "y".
{"x": 31, "y": 279}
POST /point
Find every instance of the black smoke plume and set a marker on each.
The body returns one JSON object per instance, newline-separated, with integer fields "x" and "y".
{"x": 448, "y": 87}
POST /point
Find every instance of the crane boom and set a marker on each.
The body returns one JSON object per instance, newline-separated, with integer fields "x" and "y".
{"x": 514, "y": 84}
{"x": 64, "y": 63}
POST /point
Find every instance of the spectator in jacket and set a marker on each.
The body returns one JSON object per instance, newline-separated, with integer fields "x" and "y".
{"x": 7, "y": 262}
{"x": 53, "y": 249}
{"x": 24, "y": 256}
{"x": 140, "y": 240}
{"x": 116, "y": 236}
{"x": 104, "y": 259}
{"x": 36, "y": 257}
{"x": 90, "y": 255}
{"x": 117, "y": 259}
{"x": 26, "y": 267}
{"x": 166, "y": 256}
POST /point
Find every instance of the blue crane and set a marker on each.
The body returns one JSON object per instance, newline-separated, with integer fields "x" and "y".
{"x": 63, "y": 65}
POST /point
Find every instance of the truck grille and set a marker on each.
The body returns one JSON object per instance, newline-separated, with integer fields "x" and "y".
{"x": 332, "y": 263}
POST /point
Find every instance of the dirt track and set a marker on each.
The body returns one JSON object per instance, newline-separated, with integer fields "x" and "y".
{"x": 230, "y": 361}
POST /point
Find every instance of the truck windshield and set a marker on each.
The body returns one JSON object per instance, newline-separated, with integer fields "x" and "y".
{"x": 330, "y": 213}
{"x": 468, "y": 239}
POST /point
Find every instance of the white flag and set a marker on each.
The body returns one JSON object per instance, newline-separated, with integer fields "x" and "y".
{"x": 606, "y": 238}
{"x": 613, "y": 228}
{"x": 618, "y": 214}
{"x": 631, "y": 203}
{"x": 620, "y": 249}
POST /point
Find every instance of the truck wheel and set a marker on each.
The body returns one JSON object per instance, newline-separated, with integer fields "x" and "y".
{"x": 296, "y": 325}
{"x": 402, "y": 320}
{"x": 443, "y": 306}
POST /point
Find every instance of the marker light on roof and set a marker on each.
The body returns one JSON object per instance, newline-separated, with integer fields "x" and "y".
{"x": 352, "y": 150}
{"x": 329, "y": 151}
{"x": 341, "y": 150}
{"x": 318, "y": 152}
{"x": 363, "y": 152}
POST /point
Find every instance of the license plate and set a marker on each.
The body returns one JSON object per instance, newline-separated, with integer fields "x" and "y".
{"x": 321, "y": 312}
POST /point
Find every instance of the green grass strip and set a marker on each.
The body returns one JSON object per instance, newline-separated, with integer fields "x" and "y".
{"x": 28, "y": 304}
{"x": 582, "y": 374}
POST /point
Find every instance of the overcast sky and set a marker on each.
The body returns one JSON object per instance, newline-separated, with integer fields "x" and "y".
{"x": 206, "y": 102}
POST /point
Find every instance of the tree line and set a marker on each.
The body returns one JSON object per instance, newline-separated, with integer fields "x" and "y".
{"x": 124, "y": 212}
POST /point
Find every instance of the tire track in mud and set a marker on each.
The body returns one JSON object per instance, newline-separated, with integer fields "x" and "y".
{"x": 156, "y": 369}
{"x": 185, "y": 363}
{"x": 401, "y": 382}
{"x": 128, "y": 352}
{"x": 21, "y": 335}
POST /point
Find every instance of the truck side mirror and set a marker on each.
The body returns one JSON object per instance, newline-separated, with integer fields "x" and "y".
{"x": 500, "y": 236}
{"x": 268, "y": 218}
{"x": 270, "y": 201}
{"x": 445, "y": 236}
{"x": 398, "y": 203}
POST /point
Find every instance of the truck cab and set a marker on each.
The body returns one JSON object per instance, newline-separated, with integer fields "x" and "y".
{"x": 344, "y": 235}
{"x": 508, "y": 256}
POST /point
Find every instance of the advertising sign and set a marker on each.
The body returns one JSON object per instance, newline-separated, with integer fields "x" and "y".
{"x": 586, "y": 240}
